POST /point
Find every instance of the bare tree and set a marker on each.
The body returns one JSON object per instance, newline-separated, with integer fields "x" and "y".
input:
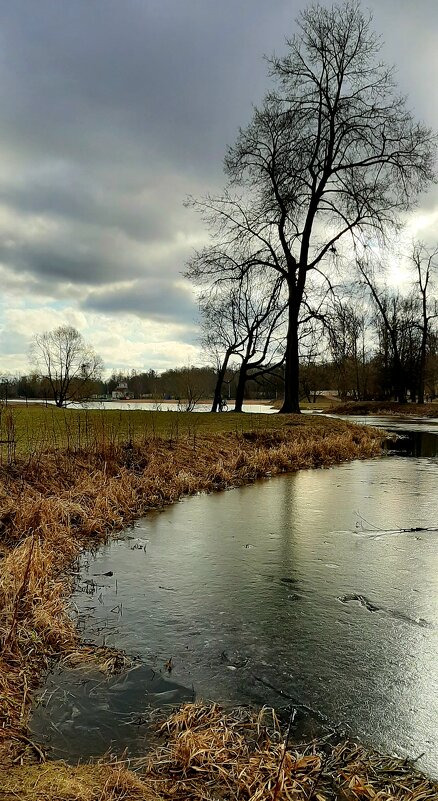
{"x": 262, "y": 320}
{"x": 425, "y": 263}
{"x": 393, "y": 321}
{"x": 221, "y": 335}
{"x": 346, "y": 325}
{"x": 70, "y": 365}
{"x": 245, "y": 319}
{"x": 332, "y": 154}
{"x": 405, "y": 323}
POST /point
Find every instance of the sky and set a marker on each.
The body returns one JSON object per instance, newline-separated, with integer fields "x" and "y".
{"x": 112, "y": 112}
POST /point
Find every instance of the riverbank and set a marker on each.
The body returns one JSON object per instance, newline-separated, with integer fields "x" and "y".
{"x": 56, "y": 501}
{"x": 206, "y": 752}
{"x": 386, "y": 408}
{"x": 53, "y": 503}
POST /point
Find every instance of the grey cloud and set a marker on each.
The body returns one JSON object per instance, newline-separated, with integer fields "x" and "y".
{"x": 64, "y": 194}
{"x": 114, "y": 110}
{"x": 144, "y": 86}
{"x": 65, "y": 262}
{"x": 78, "y": 254}
{"x": 158, "y": 300}
{"x": 147, "y": 80}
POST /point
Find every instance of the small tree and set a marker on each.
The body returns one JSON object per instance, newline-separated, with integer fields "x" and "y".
{"x": 346, "y": 325}
{"x": 262, "y": 321}
{"x": 245, "y": 320}
{"x": 425, "y": 264}
{"x": 221, "y": 337}
{"x": 67, "y": 362}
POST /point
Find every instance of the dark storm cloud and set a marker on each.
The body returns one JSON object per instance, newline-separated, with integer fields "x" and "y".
{"x": 157, "y": 300}
{"x": 79, "y": 263}
{"x": 134, "y": 88}
{"x": 111, "y": 114}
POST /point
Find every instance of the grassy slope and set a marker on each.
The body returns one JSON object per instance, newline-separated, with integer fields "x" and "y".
{"x": 36, "y": 428}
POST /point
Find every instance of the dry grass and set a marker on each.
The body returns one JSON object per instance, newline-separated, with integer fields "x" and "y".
{"x": 387, "y": 407}
{"x": 209, "y": 754}
{"x": 55, "y": 502}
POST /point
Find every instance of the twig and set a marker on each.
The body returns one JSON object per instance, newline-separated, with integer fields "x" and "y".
{"x": 33, "y": 745}
{"x": 286, "y": 743}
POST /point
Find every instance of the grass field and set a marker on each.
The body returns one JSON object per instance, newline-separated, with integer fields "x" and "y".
{"x": 28, "y": 430}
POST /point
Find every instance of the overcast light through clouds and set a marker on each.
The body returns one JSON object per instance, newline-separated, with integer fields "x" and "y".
{"x": 112, "y": 112}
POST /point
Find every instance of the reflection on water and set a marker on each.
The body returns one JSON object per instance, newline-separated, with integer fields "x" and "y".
{"x": 302, "y": 589}
{"x": 414, "y": 436}
{"x": 415, "y": 443}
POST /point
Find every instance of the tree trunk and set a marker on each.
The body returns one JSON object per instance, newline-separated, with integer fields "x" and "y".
{"x": 400, "y": 390}
{"x": 422, "y": 370}
{"x": 220, "y": 380}
{"x": 421, "y": 382}
{"x": 240, "y": 391}
{"x": 291, "y": 404}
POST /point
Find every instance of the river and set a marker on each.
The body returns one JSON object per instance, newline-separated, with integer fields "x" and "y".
{"x": 317, "y": 589}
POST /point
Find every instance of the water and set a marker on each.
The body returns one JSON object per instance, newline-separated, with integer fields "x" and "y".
{"x": 415, "y": 436}
{"x": 308, "y": 589}
{"x": 151, "y": 406}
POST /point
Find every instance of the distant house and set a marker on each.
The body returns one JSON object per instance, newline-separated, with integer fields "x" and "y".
{"x": 121, "y": 392}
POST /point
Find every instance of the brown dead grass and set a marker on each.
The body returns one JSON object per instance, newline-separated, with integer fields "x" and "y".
{"x": 57, "y": 502}
{"x": 209, "y": 753}
{"x": 387, "y": 408}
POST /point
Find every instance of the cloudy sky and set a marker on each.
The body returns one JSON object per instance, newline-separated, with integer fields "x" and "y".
{"x": 111, "y": 113}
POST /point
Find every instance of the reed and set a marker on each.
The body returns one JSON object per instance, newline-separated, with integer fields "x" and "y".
{"x": 387, "y": 408}
{"x": 209, "y": 753}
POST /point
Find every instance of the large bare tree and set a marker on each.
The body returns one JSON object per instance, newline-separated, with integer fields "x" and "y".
{"x": 70, "y": 365}
{"x": 332, "y": 154}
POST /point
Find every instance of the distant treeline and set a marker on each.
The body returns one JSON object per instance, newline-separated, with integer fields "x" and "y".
{"x": 355, "y": 370}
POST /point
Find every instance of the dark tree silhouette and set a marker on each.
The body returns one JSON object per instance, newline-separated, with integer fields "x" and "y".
{"x": 425, "y": 263}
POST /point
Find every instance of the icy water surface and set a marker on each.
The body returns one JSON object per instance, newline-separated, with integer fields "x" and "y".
{"x": 318, "y": 589}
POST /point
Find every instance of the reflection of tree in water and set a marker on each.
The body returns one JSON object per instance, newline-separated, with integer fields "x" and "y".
{"x": 415, "y": 443}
